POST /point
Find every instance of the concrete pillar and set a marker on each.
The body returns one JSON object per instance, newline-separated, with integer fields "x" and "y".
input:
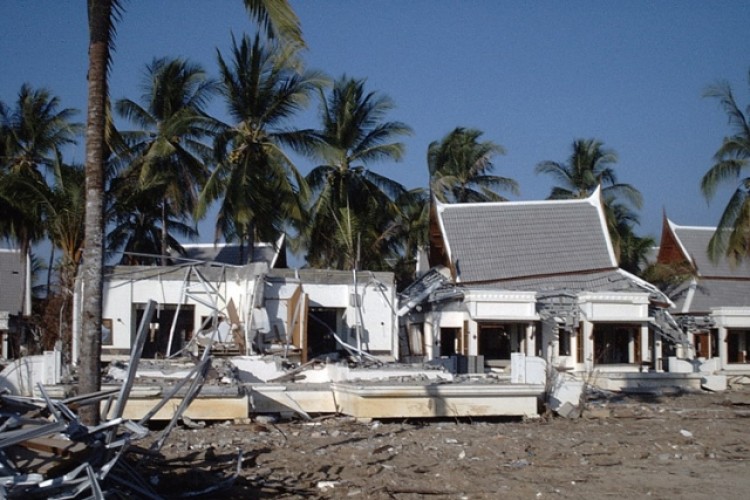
{"x": 473, "y": 338}
{"x": 723, "y": 348}
{"x": 631, "y": 346}
{"x": 530, "y": 339}
{"x": 588, "y": 345}
{"x": 429, "y": 337}
{"x": 645, "y": 347}
{"x": 658, "y": 358}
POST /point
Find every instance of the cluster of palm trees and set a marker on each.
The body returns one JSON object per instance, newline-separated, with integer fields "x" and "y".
{"x": 177, "y": 162}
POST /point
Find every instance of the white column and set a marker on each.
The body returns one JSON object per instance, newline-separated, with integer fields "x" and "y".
{"x": 645, "y": 347}
{"x": 723, "y": 348}
{"x": 473, "y": 347}
{"x": 588, "y": 345}
{"x": 428, "y": 333}
{"x": 531, "y": 339}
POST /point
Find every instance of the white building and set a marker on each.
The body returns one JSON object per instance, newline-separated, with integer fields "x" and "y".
{"x": 248, "y": 308}
{"x": 712, "y": 305}
{"x": 538, "y": 278}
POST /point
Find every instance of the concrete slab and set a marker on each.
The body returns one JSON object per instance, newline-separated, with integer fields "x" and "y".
{"x": 437, "y": 400}
{"x": 211, "y": 408}
{"x": 714, "y": 383}
{"x": 280, "y": 398}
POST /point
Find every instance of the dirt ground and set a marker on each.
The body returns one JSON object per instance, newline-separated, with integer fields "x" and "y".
{"x": 688, "y": 446}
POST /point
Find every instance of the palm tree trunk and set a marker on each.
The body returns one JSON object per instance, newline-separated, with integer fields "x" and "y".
{"x": 100, "y": 14}
{"x": 164, "y": 232}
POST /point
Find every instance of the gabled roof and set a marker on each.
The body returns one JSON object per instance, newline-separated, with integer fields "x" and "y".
{"x": 11, "y": 281}
{"x": 494, "y": 242}
{"x": 693, "y": 244}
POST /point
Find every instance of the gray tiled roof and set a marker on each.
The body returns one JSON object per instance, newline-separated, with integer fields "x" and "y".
{"x": 713, "y": 293}
{"x": 11, "y": 281}
{"x": 506, "y": 240}
{"x": 695, "y": 241}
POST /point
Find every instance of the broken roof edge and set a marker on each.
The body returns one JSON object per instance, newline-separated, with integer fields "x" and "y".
{"x": 651, "y": 288}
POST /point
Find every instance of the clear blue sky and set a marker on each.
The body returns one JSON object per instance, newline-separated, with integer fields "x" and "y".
{"x": 533, "y": 76}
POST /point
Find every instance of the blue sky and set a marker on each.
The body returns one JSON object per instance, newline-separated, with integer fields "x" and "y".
{"x": 533, "y": 76}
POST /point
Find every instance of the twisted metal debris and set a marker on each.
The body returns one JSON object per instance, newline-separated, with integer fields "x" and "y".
{"x": 46, "y": 452}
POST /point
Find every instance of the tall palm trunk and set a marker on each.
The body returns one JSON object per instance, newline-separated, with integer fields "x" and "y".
{"x": 100, "y": 14}
{"x": 164, "y": 260}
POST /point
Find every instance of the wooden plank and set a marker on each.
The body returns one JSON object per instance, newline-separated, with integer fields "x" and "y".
{"x": 58, "y": 447}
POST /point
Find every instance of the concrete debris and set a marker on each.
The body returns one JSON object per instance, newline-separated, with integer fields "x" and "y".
{"x": 714, "y": 383}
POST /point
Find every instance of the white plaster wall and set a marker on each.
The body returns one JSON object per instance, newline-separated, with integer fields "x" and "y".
{"x": 379, "y": 320}
{"x": 614, "y": 306}
{"x": 119, "y": 297}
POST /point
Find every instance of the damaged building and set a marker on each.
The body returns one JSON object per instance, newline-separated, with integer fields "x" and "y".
{"x": 712, "y": 304}
{"x": 246, "y": 306}
{"x": 538, "y": 278}
{"x": 15, "y": 300}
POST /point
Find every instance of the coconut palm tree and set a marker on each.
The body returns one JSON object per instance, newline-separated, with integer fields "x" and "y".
{"x": 31, "y": 133}
{"x": 353, "y": 206}
{"x": 259, "y": 187}
{"x": 136, "y": 224}
{"x": 732, "y": 236}
{"x": 589, "y": 166}
{"x": 62, "y": 205}
{"x": 102, "y": 17}
{"x": 277, "y": 19}
{"x": 167, "y": 150}
{"x": 460, "y": 167}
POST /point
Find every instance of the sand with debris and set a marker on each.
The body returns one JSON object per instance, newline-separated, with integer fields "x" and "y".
{"x": 689, "y": 446}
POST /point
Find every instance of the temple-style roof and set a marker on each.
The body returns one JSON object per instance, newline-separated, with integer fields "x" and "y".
{"x": 717, "y": 284}
{"x": 497, "y": 242}
{"x": 693, "y": 242}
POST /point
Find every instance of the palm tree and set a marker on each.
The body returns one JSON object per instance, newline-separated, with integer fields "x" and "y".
{"x": 31, "y": 133}
{"x": 260, "y": 189}
{"x": 277, "y": 19}
{"x": 589, "y": 167}
{"x": 353, "y": 206}
{"x": 732, "y": 236}
{"x": 137, "y": 230}
{"x": 410, "y": 232}
{"x": 459, "y": 167}
{"x": 34, "y": 130}
{"x": 102, "y": 16}
{"x": 167, "y": 150}
{"x": 62, "y": 205}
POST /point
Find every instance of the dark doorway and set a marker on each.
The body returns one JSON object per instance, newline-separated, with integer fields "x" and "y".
{"x": 494, "y": 342}
{"x": 320, "y": 327}
{"x": 738, "y": 342}
{"x": 612, "y": 343}
{"x": 448, "y": 338}
{"x": 157, "y": 338}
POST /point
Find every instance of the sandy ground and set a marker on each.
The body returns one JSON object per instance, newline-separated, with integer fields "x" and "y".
{"x": 689, "y": 446}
